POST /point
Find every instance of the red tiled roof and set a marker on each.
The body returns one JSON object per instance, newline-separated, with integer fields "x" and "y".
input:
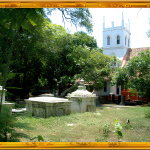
{"x": 131, "y": 52}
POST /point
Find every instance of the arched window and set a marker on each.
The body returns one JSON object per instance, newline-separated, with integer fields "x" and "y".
{"x": 118, "y": 39}
{"x": 128, "y": 43}
{"x": 108, "y": 40}
{"x": 125, "y": 40}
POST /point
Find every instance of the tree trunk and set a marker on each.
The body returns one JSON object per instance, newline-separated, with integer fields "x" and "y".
{"x": 6, "y": 69}
{"x": 25, "y": 88}
{"x": 63, "y": 94}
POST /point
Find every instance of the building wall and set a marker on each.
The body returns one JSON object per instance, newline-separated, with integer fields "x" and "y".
{"x": 118, "y": 50}
{"x": 101, "y": 92}
{"x": 109, "y": 90}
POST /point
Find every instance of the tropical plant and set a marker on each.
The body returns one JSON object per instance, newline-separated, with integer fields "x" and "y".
{"x": 118, "y": 128}
{"x": 106, "y": 130}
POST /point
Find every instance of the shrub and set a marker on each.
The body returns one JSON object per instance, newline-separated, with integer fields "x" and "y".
{"x": 118, "y": 128}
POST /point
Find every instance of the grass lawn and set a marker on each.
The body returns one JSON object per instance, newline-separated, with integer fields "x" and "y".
{"x": 84, "y": 127}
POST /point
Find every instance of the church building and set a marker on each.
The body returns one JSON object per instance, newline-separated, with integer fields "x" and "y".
{"x": 116, "y": 40}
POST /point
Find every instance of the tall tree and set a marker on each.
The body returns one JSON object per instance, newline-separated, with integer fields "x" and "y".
{"x": 24, "y": 35}
{"x": 61, "y": 65}
{"x": 12, "y": 21}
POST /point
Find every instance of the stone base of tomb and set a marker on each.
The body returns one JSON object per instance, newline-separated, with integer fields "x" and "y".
{"x": 9, "y": 106}
{"x": 83, "y": 104}
{"x": 48, "y": 106}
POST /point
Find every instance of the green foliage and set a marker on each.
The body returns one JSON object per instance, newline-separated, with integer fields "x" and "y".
{"x": 121, "y": 77}
{"x": 115, "y": 62}
{"x": 42, "y": 82}
{"x": 6, "y": 123}
{"x": 8, "y": 94}
{"x": 118, "y": 128}
{"x": 106, "y": 129}
{"x": 35, "y": 89}
{"x": 81, "y": 38}
{"x": 72, "y": 50}
{"x": 19, "y": 106}
{"x": 41, "y": 51}
{"x": 40, "y": 138}
{"x": 78, "y": 16}
{"x": 136, "y": 74}
{"x": 133, "y": 91}
{"x": 97, "y": 139}
{"x": 80, "y": 100}
{"x": 94, "y": 65}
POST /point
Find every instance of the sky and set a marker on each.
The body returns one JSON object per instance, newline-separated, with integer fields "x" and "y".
{"x": 139, "y": 23}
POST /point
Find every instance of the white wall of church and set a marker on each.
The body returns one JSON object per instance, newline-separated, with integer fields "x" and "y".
{"x": 110, "y": 89}
{"x": 114, "y": 48}
{"x": 101, "y": 92}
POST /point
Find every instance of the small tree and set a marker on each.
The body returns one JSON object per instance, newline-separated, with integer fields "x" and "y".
{"x": 136, "y": 74}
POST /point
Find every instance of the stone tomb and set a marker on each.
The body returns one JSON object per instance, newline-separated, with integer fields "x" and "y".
{"x": 48, "y": 106}
{"x": 83, "y": 100}
{"x": 9, "y": 105}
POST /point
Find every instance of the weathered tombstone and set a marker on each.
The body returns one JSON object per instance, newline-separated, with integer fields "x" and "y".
{"x": 83, "y": 100}
{"x": 60, "y": 112}
{"x": 9, "y": 105}
{"x": 3, "y": 99}
{"x": 48, "y": 106}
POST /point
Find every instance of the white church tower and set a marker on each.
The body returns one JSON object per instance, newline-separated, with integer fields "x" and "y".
{"x": 116, "y": 40}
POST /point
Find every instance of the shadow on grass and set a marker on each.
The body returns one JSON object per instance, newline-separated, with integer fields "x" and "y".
{"x": 23, "y": 125}
{"x": 16, "y": 136}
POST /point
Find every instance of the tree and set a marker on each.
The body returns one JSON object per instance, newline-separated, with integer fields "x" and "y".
{"x": 94, "y": 66}
{"x": 37, "y": 43}
{"x": 121, "y": 77}
{"x": 61, "y": 66}
{"x": 12, "y": 21}
{"x": 81, "y": 38}
{"x": 136, "y": 74}
{"x": 80, "y": 17}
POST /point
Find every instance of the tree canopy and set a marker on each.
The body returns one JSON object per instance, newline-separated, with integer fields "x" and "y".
{"x": 136, "y": 74}
{"x": 43, "y": 53}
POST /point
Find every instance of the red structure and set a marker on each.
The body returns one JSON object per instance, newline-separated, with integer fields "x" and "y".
{"x": 126, "y": 93}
